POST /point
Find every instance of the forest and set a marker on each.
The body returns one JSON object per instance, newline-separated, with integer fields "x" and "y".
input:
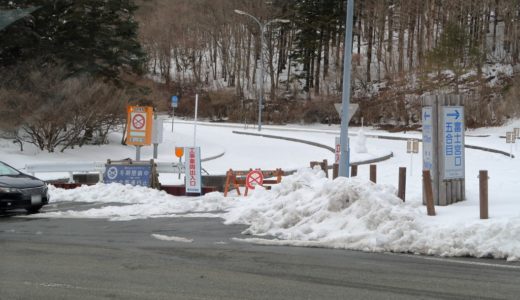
{"x": 69, "y": 54}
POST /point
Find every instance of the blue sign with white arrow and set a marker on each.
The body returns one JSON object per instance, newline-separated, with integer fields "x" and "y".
{"x": 453, "y": 142}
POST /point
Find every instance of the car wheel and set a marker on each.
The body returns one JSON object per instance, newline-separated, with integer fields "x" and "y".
{"x": 33, "y": 209}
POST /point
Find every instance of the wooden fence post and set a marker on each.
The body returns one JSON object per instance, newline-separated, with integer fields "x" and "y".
{"x": 325, "y": 167}
{"x": 427, "y": 182}
{"x": 373, "y": 173}
{"x": 353, "y": 172}
{"x": 483, "y": 180}
{"x": 335, "y": 171}
{"x": 314, "y": 163}
{"x": 401, "y": 192}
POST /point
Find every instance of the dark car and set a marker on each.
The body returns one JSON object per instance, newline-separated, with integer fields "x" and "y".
{"x": 21, "y": 191}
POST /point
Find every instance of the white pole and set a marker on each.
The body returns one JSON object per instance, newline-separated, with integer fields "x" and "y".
{"x": 173, "y": 115}
{"x": 195, "y": 122}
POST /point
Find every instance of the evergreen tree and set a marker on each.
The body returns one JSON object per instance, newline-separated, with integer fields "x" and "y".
{"x": 98, "y": 37}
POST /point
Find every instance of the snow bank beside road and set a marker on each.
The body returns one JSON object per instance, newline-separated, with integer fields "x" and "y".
{"x": 307, "y": 209}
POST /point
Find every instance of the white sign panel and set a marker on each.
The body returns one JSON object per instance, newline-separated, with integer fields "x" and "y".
{"x": 427, "y": 132}
{"x": 352, "y": 109}
{"x": 157, "y": 131}
{"x": 192, "y": 170}
{"x": 337, "y": 148}
{"x": 453, "y": 141}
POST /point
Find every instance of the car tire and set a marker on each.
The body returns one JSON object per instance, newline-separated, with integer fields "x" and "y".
{"x": 33, "y": 209}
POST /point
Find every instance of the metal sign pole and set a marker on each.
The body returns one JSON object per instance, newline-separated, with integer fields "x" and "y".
{"x": 155, "y": 145}
{"x": 344, "y": 163}
{"x": 137, "y": 153}
{"x": 173, "y": 115}
{"x": 195, "y": 123}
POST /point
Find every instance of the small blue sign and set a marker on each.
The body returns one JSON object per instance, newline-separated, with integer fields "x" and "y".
{"x": 128, "y": 174}
{"x": 175, "y": 101}
{"x": 427, "y": 134}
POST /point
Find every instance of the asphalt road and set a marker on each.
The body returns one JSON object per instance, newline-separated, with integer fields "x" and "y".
{"x": 98, "y": 259}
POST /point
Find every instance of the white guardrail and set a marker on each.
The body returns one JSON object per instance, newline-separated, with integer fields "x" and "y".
{"x": 92, "y": 167}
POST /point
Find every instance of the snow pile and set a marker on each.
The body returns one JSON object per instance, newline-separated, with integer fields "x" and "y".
{"x": 307, "y": 209}
{"x": 136, "y": 202}
{"x": 361, "y": 142}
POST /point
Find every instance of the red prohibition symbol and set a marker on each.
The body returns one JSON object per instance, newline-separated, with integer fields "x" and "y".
{"x": 138, "y": 121}
{"x": 254, "y": 178}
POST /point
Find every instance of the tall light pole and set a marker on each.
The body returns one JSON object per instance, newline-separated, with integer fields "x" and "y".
{"x": 344, "y": 161}
{"x": 262, "y": 26}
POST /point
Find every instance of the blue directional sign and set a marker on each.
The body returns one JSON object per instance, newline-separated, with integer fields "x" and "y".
{"x": 175, "y": 101}
{"x": 427, "y": 133}
{"x": 453, "y": 141}
{"x": 128, "y": 174}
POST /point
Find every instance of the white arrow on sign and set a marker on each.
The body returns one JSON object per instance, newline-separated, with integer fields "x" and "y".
{"x": 352, "y": 108}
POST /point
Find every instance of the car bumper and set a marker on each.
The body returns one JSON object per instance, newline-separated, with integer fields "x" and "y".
{"x": 10, "y": 201}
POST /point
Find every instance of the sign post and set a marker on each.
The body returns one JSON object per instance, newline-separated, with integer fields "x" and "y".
{"x": 174, "y": 104}
{"x": 443, "y": 147}
{"x": 179, "y": 152}
{"x": 412, "y": 147}
{"x": 139, "y": 127}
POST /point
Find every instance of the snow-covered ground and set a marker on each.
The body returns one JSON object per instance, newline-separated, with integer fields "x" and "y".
{"x": 307, "y": 209}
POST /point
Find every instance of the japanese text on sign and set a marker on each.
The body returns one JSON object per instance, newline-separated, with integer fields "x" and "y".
{"x": 427, "y": 138}
{"x": 453, "y": 133}
{"x": 193, "y": 170}
{"x": 128, "y": 174}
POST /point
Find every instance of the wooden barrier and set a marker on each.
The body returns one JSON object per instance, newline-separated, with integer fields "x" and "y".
{"x": 373, "y": 173}
{"x": 237, "y": 179}
{"x": 483, "y": 183}
{"x": 401, "y": 192}
{"x": 427, "y": 182}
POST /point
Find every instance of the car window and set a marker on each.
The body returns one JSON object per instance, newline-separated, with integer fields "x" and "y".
{"x": 7, "y": 170}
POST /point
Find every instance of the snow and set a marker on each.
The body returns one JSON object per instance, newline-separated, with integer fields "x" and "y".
{"x": 307, "y": 209}
{"x": 172, "y": 238}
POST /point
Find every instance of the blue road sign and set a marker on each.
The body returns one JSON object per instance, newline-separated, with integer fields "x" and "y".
{"x": 175, "y": 101}
{"x": 128, "y": 174}
{"x": 453, "y": 141}
{"x": 427, "y": 133}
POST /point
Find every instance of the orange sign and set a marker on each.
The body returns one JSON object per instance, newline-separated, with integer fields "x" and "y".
{"x": 179, "y": 151}
{"x": 139, "y": 125}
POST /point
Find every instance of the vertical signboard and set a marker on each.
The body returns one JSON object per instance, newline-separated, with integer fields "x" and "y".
{"x": 157, "y": 132}
{"x": 193, "y": 170}
{"x": 453, "y": 142}
{"x": 337, "y": 152}
{"x": 427, "y": 138}
{"x": 139, "y": 125}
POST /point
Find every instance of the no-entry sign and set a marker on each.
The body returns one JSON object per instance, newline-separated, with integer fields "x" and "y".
{"x": 139, "y": 127}
{"x": 254, "y": 178}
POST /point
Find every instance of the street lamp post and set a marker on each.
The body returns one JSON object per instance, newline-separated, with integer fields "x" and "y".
{"x": 262, "y": 26}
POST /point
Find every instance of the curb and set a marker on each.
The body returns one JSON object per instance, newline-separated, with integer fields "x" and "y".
{"x": 331, "y": 149}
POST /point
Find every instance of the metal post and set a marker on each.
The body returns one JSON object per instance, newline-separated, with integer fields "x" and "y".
{"x": 261, "y": 100}
{"x": 344, "y": 162}
{"x": 195, "y": 122}
{"x": 155, "y": 145}
{"x": 173, "y": 115}
{"x": 137, "y": 153}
